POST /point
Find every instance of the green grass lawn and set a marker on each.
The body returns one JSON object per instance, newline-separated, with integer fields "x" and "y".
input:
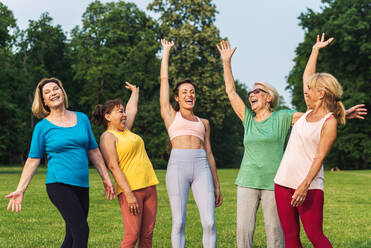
{"x": 347, "y": 214}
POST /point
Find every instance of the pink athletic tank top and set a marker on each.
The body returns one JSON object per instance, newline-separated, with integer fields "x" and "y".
{"x": 181, "y": 126}
{"x": 299, "y": 154}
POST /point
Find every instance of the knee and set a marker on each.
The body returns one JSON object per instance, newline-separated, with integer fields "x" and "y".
{"x": 178, "y": 226}
{"x": 316, "y": 238}
{"x": 84, "y": 229}
{"x": 208, "y": 226}
{"x": 245, "y": 228}
{"x": 273, "y": 228}
{"x": 130, "y": 239}
{"x": 146, "y": 234}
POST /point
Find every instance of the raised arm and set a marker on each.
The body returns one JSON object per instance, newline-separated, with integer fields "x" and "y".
{"x": 226, "y": 55}
{"x": 132, "y": 105}
{"x": 16, "y": 197}
{"x": 310, "y": 68}
{"x": 108, "y": 147}
{"x": 167, "y": 111}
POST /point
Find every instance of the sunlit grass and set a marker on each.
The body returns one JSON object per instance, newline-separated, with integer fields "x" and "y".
{"x": 347, "y": 214}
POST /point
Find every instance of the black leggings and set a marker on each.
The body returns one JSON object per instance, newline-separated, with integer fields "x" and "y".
{"x": 73, "y": 204}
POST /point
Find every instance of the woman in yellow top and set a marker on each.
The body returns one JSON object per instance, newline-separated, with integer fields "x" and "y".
{"x": 126, "y": 157}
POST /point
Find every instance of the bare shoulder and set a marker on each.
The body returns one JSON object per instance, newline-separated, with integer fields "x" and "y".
{"x": 330, "y": 125}
{"x": 331, "y": 122}
{"x": 205, "y": 122}
{"x": 107, "y": 136}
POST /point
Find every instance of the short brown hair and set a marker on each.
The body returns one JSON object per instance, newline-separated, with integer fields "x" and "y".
{"x": 39, "y": 109}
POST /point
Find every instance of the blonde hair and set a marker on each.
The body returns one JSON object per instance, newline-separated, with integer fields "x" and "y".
{"x": 39, "y": 109}
{"x": 333, "y": 91}
{"x": 271, "y": 91}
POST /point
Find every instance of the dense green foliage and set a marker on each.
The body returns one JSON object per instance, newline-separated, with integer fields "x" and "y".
{"x": 348, "y": 59}
{"x": 116, "y": 42}
{"x": 39, "y": 224}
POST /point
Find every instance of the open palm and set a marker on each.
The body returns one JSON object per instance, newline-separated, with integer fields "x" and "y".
{"x": 167, "y": 45}
{"x": 15, "y": 202}
{"x": 225, "y": 50}
{"x": 321, "y": 43}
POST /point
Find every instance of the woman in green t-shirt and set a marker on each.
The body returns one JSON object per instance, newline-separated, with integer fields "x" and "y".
{"x": 265, "y": 132}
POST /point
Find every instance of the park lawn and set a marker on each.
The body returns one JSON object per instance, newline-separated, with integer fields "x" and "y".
{"x": 347, "y": 214}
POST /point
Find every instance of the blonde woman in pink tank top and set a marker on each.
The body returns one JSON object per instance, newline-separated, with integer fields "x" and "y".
{"x": 300, "y": 178}
{"x": 191, "y": 163}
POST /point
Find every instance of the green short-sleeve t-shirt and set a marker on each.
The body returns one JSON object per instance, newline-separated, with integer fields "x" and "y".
{"x": 264, "y": 145}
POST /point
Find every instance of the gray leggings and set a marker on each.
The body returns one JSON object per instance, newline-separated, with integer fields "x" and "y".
{"x": 190, "y": 168}
{"x": 247, "y": 205}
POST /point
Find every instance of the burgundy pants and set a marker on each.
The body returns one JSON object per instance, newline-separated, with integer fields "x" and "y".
{"x": 139, "y": 227}
{"x": 311, "y": 215}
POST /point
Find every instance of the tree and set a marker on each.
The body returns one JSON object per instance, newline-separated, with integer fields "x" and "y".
{"x": 11, "y": 125}
{"x": 43, "y": 53}
{"x": 26, "y": 57}
{"x": 116, "y": 44}
{"x": 190, "y": 24}
{"x": 348, "y": 59}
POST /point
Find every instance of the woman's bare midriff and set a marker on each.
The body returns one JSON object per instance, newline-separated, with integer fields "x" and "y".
{"x": 187, "y": 142}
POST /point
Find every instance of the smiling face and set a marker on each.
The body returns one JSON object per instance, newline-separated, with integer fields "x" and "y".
{"x": 116, "y": 118}
{"x": 52, "y": 95}
{"x": 312, "y": 96}
{"x": 259, "y": 98}
{"x": 186, "y": 97}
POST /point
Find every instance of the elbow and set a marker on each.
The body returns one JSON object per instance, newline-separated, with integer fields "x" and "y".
{"x": 229, "y": 90}
{"x": 164, "y": 79}
{"x": 112, "y": 167}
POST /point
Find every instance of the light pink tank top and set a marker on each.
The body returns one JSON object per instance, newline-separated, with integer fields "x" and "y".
{"x": 181, "y": 126}
{"x": 299, "y": 154}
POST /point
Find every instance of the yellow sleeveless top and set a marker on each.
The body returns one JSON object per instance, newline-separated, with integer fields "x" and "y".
{"x": 134, "y": 161}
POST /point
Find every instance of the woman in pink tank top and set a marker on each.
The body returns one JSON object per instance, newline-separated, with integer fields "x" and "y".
{"x": 191, "y": 163}
{"x": 300, "y": 178}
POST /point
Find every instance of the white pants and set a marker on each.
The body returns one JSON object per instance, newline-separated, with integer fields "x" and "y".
{"x": 247, "y": 205}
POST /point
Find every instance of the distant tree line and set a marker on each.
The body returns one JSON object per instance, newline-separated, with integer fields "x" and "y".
{"x": 118, "y": 42}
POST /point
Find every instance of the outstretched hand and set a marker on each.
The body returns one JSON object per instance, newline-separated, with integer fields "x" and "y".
{"x": 322, "y": 43}
{"x": 356, "y": 112}
{"x": 131, "y": 87}
{"x": 225, "y": 50}
{"x": 167, "y": 45}
{"x": 15, "y": 202}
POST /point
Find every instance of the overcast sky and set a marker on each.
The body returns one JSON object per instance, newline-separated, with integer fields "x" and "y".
{"x": 266, "y": 32}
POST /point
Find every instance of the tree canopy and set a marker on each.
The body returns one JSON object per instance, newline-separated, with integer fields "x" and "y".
{"x": 348, "y": 59}
{"x": 118, "y": 42}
